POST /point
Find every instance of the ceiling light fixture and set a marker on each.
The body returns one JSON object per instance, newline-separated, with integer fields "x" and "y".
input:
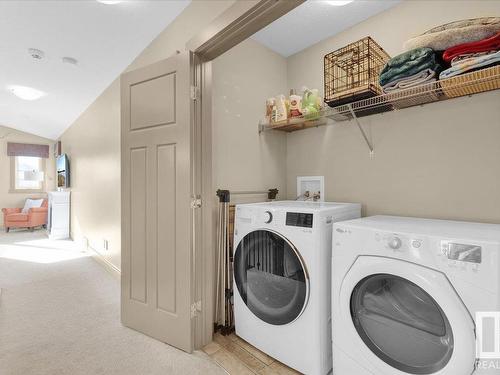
{"x": 338, "y": 3}
{"x": 109, "y": 2}
{"x": 26, "y": 93}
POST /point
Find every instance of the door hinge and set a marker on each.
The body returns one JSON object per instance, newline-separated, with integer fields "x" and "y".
{"x": 195, "y": 308}
{"x": 196, "y": 202}
{"x": 195, "y": 92}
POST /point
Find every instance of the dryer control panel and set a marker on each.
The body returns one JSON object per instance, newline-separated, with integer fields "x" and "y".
{"x": 453, "y": 251}
{"x": 462, "y": 252}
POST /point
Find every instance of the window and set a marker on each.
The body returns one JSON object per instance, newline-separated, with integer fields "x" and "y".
{"x": 27, "y": 174}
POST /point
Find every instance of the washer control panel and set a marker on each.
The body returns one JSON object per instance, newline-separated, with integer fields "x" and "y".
{"x": 299, "y": 219}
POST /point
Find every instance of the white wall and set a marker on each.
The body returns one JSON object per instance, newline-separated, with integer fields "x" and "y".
{"x": 420, "y": 153}
{"x": 17, "y": 199}
{"x": 389, "y": 29}
{"x": 439, "y": 161}
{"x": 93, "y": 145}
{"x": 93, "y": 141}
{"x": 243, "y": 78}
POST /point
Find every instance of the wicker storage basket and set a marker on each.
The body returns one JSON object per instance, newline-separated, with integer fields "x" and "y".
{"x": 472, "y": 83}
{"x": 352, "y": 72}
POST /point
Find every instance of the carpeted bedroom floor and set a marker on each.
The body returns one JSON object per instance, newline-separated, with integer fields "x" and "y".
{"x": 60, "y": 314}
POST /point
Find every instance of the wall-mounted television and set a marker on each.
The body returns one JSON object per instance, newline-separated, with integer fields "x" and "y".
{"x": 63, "y": 174}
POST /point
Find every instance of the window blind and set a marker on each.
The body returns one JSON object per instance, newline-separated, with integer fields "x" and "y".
{"x": 26, "y": 149}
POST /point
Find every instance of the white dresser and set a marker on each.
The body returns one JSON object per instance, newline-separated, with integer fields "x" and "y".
{"x": 59, "y": 211}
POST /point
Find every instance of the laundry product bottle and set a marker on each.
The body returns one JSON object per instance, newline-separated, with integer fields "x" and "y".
{"x": 281, "y": 108}
{"x": 274, "y": 114}
{"x": 270, "y": 103}
{"x": 311, "y": 104}
{"x": 295, "y": 104}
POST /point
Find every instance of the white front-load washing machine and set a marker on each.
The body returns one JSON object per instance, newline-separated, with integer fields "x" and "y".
{"x": 282, "y": 279}
{"x": 405, "y": 296}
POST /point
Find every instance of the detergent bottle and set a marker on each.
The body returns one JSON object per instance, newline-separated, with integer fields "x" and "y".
{"x": 311, "y": 104}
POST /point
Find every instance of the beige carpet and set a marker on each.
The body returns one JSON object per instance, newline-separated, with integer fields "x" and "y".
{"x": 60, "y": 314}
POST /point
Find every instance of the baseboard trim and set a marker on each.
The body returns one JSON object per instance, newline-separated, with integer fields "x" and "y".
{"x": 110, "y": 267}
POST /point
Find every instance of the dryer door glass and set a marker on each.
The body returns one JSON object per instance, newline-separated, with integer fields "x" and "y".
{"x": 270, "y": 277}
{"x": 402, "y": 324}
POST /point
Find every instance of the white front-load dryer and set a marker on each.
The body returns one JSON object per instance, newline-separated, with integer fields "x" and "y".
{"x": 282, "y": 278}
{"x": 406, "y": 292}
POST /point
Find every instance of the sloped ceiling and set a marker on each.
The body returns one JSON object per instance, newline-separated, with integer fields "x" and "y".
{"x": 316, "y": 20}
{"x": 104, "y": 39}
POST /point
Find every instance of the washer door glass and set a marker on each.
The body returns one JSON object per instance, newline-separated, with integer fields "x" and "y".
{"x": 401, "y": 324}
{"x": 270, "y": 277}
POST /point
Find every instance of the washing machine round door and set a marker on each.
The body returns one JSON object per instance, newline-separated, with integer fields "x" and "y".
{"x": 402, "y": 324}
{"x": 271, "y": 277}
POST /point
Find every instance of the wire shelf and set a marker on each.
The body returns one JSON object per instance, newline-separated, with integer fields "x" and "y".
{"x": 463, "y": 85}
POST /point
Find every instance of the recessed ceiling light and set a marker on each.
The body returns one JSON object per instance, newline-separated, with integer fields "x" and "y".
{"x": 26, "y": 93}
{"x": 339, "y": 3}
{"x": 69, "y": 60}
{"x": 109, "y": 2}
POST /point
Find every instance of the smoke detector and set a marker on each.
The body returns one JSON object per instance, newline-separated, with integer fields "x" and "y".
{"x": 36, "y": 53}
{"x": 69, "y": 60}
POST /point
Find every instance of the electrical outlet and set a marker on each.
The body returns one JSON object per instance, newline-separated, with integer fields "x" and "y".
{"x": 311, "y": 188}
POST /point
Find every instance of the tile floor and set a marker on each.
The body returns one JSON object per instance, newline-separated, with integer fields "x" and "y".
{"x": 238, "y": 357}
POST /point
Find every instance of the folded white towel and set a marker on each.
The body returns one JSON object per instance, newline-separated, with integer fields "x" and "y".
{"x": 425, "y": 76}
{"x": 467, "y": 56}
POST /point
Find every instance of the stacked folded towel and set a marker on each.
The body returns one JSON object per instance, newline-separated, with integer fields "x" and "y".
{"x": 470, "y": 64}
{"x": 409, "y": 69}
{"x": 467, "y": 57}
{"x": 424, "y": 76}
{"x": 467, "y": 44}
{"x": 451, "y": 34}
{"x": 479, "y": 47}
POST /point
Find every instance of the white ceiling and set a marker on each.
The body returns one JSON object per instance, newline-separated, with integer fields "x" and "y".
{"x": 104, "y": 39}
{"x": 316, "y": 20}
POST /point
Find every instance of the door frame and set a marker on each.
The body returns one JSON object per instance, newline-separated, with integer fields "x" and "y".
{"x": 234, "y": 25}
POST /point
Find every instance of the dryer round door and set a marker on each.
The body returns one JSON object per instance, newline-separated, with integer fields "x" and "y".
{"x": 407, "y": 319}
{"x": 271, "y": 277}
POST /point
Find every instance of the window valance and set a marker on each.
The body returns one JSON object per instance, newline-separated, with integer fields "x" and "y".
{"x": 26, "y": 149}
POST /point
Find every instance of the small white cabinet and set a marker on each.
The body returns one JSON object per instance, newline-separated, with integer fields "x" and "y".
{"x": 59, "y": 213}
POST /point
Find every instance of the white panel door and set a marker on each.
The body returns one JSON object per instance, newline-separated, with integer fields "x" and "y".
{"x": 156, "y": 201}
